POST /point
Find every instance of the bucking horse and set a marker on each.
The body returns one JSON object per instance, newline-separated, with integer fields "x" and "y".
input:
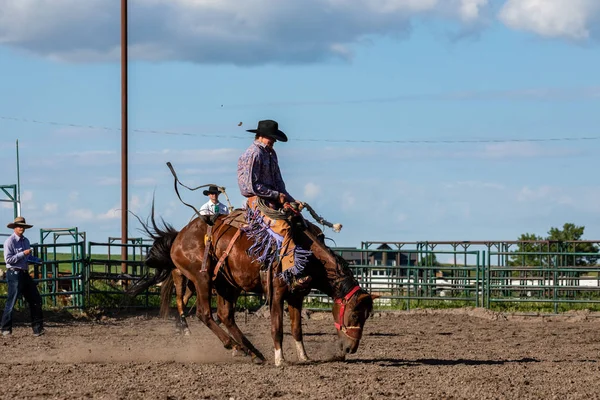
{"x": 213, "y": 254}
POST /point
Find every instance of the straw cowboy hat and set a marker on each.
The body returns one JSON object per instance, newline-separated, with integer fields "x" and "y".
{"x": 212, "y": 189}
{"x": 269, "y": 128}
{"x": 19, "y": 221}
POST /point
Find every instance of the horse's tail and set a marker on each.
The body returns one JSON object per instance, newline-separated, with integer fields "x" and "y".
{"x": 159, "y": 255}
{"x": 166, "y": 291}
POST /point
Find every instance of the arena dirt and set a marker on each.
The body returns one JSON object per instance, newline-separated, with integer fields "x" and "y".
{"x": 457, "y": 354}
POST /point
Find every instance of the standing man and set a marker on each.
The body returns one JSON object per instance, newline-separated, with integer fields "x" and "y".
{"x": 259, "y": 177}
{"x": 17, "y": 255}
{"x": 213, "y": 206}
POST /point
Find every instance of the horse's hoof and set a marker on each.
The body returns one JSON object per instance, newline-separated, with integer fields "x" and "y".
{"x": 187, "y": 332}
{"x": 281, "y": 363}
{"x": 258, "y": 361}
{"x": 237, "y": 352}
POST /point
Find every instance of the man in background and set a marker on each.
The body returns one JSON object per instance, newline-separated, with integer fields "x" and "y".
{"x": 17, "y": 255}
{"x": 213, "y": 206}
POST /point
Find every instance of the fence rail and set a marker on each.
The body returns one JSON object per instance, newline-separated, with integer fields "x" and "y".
{"x": 79, "y": 275}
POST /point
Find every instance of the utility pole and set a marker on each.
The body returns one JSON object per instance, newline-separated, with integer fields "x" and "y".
{"x": 18, "y": 202}
{"x": 124, "y": 141}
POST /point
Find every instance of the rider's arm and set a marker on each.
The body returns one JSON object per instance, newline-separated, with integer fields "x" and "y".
{"x": 279, "y": 183}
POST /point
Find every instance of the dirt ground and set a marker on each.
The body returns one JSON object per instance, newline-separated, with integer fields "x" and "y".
{"x": 457, "y": 354}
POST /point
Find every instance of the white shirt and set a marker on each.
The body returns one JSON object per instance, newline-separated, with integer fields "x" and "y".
{"x": 209, "y": 208}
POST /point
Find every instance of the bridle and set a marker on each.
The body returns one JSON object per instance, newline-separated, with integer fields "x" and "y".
{"x": 353, "y": 332}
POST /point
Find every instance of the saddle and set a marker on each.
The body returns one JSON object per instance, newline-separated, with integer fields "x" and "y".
{"x": 235, "y": 219}
{"x": 218, "y": 225}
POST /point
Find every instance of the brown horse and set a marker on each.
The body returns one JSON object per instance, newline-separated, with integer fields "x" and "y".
{"x": 182, "y": 253}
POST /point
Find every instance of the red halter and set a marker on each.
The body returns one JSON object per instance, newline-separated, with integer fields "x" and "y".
{"x": 340, "y": 326}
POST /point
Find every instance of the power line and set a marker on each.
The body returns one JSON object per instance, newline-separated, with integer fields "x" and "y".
{"x": 392, "y": 141}
{"x": 106, "y": 128}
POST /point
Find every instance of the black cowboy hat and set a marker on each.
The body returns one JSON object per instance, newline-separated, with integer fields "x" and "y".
{"x": 270, "y": 129}
{"x": 212, "y": 189}
{"x": 19, "y": 221}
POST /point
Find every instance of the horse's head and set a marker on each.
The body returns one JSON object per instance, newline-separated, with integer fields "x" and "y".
{"x": 350, "y": 314}
{"x": 352, "y": 305}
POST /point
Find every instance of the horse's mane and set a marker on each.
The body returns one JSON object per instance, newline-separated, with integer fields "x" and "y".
{"x": 339, "y": 276}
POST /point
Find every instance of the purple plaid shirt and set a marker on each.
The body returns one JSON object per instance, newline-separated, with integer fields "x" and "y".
{"x": 259, "y": 174}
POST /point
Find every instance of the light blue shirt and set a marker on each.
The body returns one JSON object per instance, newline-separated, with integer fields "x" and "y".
{"x": 14, "y": 255}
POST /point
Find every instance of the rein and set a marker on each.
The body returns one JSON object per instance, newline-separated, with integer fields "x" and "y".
{"x": 340, "y": 325}
{"x": 221, "y": 189}
{"x": 294, "y": 208}
{"x": 321, "y": 220}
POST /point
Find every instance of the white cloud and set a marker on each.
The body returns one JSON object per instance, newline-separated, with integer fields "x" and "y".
{"x": 79, "y": 215}
{"x": 27, "y": 195}
{"x": 523, "y": 150}
{"x": 311, "y": 191}
{"x": 108, "y": 181}
{"x": 190, "y": 156}
{"x": 144, "y": 182}
{"x": 136, "y": 203}
{"x": 470, "y": 10}
{"x": 73, "y": 196}
{"x": 571, "y": 19}
{"x": 89, "y": 158}
{"x": 256, "y": 32}
{"x": 552, "y": 195}
{"x": 474, "y": 185}
{"x": 400, "y": 218}
{"x": 113, "y": 213}
{"x": 348, "y": 202}
{"x": 226, "y": 31}
{"x": 50, "y": 208}
{"x": 71, "y": 132}
{"x": 476, "y": 151}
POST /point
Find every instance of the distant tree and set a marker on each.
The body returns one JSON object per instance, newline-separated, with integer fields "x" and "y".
{"x": 428, "y": 260}
{"x": 528, "y": 245}
{"x": 558, "y": 240}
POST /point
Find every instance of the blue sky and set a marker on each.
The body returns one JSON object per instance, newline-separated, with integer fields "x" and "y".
{"x": 351, "y": 82}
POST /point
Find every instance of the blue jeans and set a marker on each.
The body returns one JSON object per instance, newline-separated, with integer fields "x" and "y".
{"x": 21, "y": 284}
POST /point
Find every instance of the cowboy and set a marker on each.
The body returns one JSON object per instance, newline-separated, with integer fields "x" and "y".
{"x": 17, "y": 255}
{"x": 260, "y": 181}
{"x": 213, "y": 206}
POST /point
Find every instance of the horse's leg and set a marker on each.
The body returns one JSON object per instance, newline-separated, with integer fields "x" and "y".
{"x": 279, "y": 289}
{"x": 189, "y": 292}
{"x": 202, "y": 281}
{"x": 226, "y": 313}
{"x": 295, "y": 310}
{"x": 180, "y": 282}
